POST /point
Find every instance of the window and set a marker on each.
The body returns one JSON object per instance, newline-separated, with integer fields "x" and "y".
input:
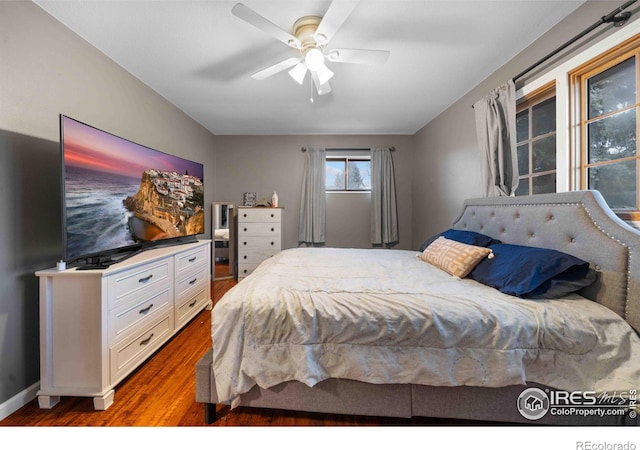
{"x": 348, "y": 174}
{"x": 536, "y": 140}
{"x": 606, "y": 94}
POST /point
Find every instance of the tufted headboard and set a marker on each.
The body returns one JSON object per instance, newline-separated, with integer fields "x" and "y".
{"x": 579, "y": 223}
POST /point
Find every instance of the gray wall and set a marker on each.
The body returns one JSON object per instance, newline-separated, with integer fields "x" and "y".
{"x": 263, "y": 164}
{"x": 47, "y": 70}
{"x": 446, "y": 159}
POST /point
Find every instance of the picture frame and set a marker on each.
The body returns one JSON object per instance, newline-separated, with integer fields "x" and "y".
{"x": 249, "y": 199}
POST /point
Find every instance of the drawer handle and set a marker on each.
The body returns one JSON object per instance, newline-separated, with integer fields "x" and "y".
{"x": 146, "y": 310}
{"x": 245, "y": 229}
{"x": 244, "y": 243}
{"x": 147, "y": 340}
{"x": 193, "y": 281}
{"x": 273, "y": 229}
{"x": 145, "y": 279}
{"x": 245, "y": 256}
{"x": 245, "y": 214}
{"x": 245, "y": 271}
{"x": 272, "y": 243}
{"x": 193, "y": 259}
{"x": 272, "y": 215}
{"x": 193, "y": 303}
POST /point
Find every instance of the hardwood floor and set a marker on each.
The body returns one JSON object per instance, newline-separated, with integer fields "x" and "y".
{"x": 162, "y": 391}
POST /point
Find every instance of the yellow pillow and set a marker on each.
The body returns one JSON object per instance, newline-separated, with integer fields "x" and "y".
{"x": 454, "y": 257}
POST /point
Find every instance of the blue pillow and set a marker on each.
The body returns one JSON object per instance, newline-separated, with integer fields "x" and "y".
{"x": 532, "y": 272}
{"x": 466, "y": 237}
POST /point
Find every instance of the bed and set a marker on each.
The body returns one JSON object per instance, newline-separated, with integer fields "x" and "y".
{"x": 444, "y": 346}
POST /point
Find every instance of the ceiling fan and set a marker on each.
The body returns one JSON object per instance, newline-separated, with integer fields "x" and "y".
{"x": 310, "y": 36}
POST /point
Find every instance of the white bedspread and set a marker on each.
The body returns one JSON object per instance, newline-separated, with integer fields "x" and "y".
{"x": 385, "y": 316}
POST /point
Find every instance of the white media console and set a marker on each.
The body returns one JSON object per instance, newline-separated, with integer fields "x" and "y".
{"x": 97, "y": 326}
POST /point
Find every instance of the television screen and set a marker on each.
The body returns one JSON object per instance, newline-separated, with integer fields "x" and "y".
{"x": 121, "y": 197}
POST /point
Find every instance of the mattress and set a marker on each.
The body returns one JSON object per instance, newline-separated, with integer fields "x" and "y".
{"x": 384, "y": 316}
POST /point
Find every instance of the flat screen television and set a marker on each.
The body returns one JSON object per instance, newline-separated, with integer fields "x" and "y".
{"x": 121, "y": 198}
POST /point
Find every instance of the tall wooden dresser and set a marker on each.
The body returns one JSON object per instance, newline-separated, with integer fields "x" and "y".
{"x": 260, "y": 236}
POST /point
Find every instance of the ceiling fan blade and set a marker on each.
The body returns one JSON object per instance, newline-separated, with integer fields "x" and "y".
{"x": 358, "y": 56}
{"x": 333, "y": 19}
{"x": 250, "y": 16}
{"x": 322, "y": 89}
{"x": 272, "y": 70}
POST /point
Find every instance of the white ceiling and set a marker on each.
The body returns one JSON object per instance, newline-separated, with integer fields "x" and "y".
{"x": 200, "y": 57}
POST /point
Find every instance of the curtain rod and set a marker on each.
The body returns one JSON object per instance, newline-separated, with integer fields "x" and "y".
{"x": 304, "y": 149}
{"x": 612, "y": 17}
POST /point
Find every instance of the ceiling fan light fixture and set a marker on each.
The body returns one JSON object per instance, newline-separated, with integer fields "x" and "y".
{"x": 324, "y": 74}
{"x": 310, "y": 36}
{"x": 298, "y": 72}
{"x": 333, "y": 55}
{"x": 314, "y": 59}
{"x": 321, "y": 39}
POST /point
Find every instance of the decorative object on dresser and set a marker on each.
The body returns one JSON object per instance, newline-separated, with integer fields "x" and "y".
{"x": 249, "y": 199}
{"x": 97, "y": 326}
{"x": 259, "y": 237}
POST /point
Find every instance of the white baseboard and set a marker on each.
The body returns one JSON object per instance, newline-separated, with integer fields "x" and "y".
{"x": 18, "y": 401}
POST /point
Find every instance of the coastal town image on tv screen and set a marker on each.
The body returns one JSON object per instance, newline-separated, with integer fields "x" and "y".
{"x": 119, "y": 193}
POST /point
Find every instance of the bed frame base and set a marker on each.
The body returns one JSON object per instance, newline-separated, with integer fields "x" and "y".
{"x": 333, "y": 396}
{"x": 210, "y": 414}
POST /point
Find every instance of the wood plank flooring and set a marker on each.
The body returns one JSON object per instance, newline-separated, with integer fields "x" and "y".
{"x": 162, "y": 393}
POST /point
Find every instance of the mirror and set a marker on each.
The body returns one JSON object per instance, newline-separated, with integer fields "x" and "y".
{"x": 223, "y": 235}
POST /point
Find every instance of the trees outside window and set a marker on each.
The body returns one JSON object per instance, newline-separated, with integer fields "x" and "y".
{"x": 348, "y": 174}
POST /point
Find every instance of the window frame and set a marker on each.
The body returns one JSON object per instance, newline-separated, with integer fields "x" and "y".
{"x": 578, "y": 81}
{"x": 568, "y": 175}
{"x": 528, "y": 102}
{"x": 346, "y": 160}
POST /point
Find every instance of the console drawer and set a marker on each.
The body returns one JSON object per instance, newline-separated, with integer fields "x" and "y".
{"x": 193, "y": 281}
{"x": 188, "y": 260}
{"x": 129, "y": 354}
{"x": 128, "y": 317}
{"x": 138, "y": 280}
{"x": 191, "y": 307}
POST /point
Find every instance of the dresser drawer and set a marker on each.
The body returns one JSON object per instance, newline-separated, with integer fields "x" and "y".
{"x": 138, "y": 280}
{"x": 259, "y": 242}
{"x": 196, "y": 258}
{"x": 190, "y": 307}
{"x": 245, "y": 269}
{"x": 256, "y": 255}
{"x": 129, "y": 318}
{"x": 193, "y": 281}
{"x": 258, "y": 229}
{"x": 259, "y": 215}
{"x": 129, "y": 354}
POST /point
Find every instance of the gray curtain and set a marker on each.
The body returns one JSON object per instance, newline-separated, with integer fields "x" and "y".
{"x": 312, "y": 204}
{"x": 384, "y": 213}
{"x": 495, "y": 116}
